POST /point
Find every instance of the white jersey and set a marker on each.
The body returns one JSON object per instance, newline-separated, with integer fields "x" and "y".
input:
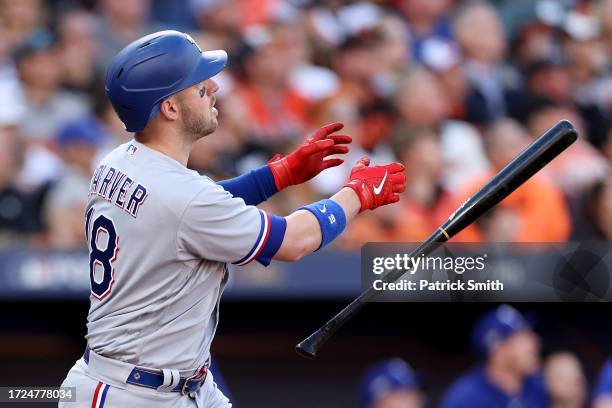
{"x": 159, "y": 237}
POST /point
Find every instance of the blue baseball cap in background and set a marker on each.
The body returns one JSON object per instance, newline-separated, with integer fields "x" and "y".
{"x": 386, "y": 377}
{"x": 85, "y": 131}
{"x": 38, "y": 41}
{"x": 495, "y": 327}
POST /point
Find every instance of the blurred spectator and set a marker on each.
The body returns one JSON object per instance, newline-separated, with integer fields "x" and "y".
{"x": 329, "y": 23}
{"x": 565, "y": 381}
{"x": 107, "y": 119}
{"x": 391, "y": 55}
{"x": 391, "y": 384}
{"x": 547, "y": 82}
{"x": 509, "y": 373}
{"x": 580, "y": 165}
{"x": 18, "y": 210}
{"x": 480, "y": 35}
{"x": 219, "y": 22}
{"x": 40, "y": 72}
{"x": 537, "y": 41}
{"x": 593, "y": 218}
{"x": 421, "y": 102}
{"x": 367, "y": 116}
{"x": 8, "y": 75}
{"x": 549, "y": 79}
{"x": 274, "y": 112}
{"x": 426, "y": 203}
{"x": 445, "y": 61}
{"x": 77, "y": 50}
{"x": 120, "y": 22}
{"x": 588, "y": 66}
{"x": 602, "y": 394}
{"x": 428, "y": 23}
{"x": 603, "y": 11}
{"x": 535, "y": 212}
{"x": 65, "y": 205}
{"x": 357, "y": 66}
{"x": 19, "y": 19}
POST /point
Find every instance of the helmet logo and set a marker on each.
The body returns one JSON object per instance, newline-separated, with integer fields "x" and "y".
{"x": 191, "y": 40}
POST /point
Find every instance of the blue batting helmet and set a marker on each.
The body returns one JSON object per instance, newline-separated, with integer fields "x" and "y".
{"x": 153, "y": 68}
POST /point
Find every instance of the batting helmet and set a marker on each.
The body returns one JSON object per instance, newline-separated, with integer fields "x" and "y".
{"x": 153, "y": 68}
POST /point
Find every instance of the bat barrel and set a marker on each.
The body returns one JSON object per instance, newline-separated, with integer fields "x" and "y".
{"x": 537, "y": 155}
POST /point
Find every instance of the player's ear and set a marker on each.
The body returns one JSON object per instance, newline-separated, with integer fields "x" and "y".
{"x": 169, "y": 109}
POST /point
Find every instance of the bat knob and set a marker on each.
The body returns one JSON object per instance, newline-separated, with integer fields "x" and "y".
{"x": 306, "y": 349}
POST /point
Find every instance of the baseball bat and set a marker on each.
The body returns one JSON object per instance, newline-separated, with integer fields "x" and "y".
{"x": 537, "y": 155}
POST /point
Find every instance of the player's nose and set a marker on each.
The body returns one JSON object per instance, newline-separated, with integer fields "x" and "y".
{"x": 212, "y": 86}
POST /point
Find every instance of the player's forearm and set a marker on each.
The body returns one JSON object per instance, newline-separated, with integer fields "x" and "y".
{"x": 253, "y": 187}
{"x": 303, "y": 234}
{"x": 318, "y": 224}
{"x": 349, "y": 201}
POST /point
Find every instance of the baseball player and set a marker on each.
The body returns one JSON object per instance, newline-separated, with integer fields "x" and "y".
{"x": 509, "y": 376}
{"x": 160, "y": 235}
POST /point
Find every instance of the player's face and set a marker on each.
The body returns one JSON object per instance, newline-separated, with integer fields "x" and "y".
{"x": 401, "y": 399}
{"x": 199, "y": 116}
{"x": 524, "y": 352}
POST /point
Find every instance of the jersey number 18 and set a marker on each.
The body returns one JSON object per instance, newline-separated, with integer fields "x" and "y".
{"x": 101, "y": 255}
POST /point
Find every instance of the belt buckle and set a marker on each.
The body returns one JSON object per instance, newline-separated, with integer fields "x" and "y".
{"x": 201, "y": 374}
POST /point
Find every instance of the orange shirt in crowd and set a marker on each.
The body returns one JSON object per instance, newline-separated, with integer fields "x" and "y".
{"x": 275, "y": 119}
{"x": 257, "y": 12}
{"x": 540, "y": 207}
{"x": 418, "y": 221}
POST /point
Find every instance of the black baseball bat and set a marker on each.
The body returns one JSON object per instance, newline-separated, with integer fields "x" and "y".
{"x": 537, "y": 155}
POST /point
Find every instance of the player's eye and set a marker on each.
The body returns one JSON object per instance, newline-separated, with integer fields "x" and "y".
{"x": 202, "y": 92}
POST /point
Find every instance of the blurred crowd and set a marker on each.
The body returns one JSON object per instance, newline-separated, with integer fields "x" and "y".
{"x": 509, "y": 372}
{"x": 453, "y": 89}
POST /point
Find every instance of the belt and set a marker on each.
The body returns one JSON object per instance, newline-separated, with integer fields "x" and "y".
{"x": 146, "y": 377}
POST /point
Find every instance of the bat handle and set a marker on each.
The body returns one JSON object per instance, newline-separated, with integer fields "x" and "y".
{"x": 310, "y": 345}
{"x": 307, "y": 348}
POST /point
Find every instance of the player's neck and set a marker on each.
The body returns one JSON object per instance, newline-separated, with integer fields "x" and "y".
{"x": 176, "y": 148}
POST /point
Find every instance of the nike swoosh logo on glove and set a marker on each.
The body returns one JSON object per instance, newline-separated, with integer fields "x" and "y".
{"x": 378, "y": 189}
{"x": 323, "y": 210}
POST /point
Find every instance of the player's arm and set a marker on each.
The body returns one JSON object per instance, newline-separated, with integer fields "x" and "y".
{"x": 317, "y": 224}
{"x": 304, "y": 163}
{"x": 218, "y": 227}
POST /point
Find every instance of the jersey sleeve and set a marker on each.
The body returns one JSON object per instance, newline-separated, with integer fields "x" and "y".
{"x": 219, "y": 227}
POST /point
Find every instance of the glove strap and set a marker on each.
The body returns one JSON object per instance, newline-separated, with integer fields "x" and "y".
{"x": 282, "y": 173}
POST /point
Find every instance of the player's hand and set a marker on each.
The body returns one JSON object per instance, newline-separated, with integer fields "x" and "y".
{"x": 308, "y": 159}
{"x": 378, "y": 185}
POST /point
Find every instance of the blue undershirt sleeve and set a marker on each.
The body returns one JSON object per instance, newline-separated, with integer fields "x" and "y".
{"x": 253, "y": 187}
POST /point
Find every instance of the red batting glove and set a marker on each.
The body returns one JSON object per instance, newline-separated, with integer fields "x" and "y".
{"x": 379, "y": 185}
{"x": 308, "y": 159}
